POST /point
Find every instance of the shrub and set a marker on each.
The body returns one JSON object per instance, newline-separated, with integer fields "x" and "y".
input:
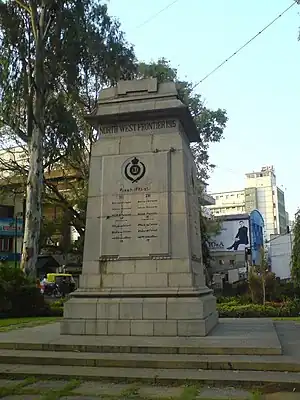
{"x": 19, "y": 296}
{"x": 57, "y": 307}
{"x": 236, "y": 300}
{"x": 288, "y": 309}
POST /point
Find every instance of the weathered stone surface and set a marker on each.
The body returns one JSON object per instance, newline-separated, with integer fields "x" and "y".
{"x": 229, "y": 393}
{"x": 98, "y": 389}
{"x": 283, "y": 396}
{"x": 142, "y": 328}
{"x": 154, "y": 309}
{"x": 49, "y": 385}
{"x": 165, "y": 328}
{"x": 9, "y": 382}
{"x": 24, "y": 397}
{"x": 158, "y": 392}
{"x": 79, "y": 398}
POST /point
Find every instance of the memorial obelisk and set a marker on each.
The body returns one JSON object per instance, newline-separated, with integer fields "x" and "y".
{"x": 142, "y": 267}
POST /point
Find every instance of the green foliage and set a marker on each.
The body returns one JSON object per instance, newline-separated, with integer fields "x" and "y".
{"x": 19, "y": 296}
{"x": 209, "y": 227}
{"x": 234, "y": 301}
{"x": 235, "y": 310}
{"x": 210, "y": 123}
{"x": 262, "y": 282}
{"x": 84, "y": 51}
{"x": 57, "y": 307}
{"x": 295, "y": 262}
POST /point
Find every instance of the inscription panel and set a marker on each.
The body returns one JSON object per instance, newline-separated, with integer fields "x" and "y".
{"x": 139, "y": 127}
{"x": 135, "y": 218}
{"x": 147, "y": 172}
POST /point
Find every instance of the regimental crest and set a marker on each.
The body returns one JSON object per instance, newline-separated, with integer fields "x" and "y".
{"x": 134, "y": 169}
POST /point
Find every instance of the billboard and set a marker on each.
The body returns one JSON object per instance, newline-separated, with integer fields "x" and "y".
{"x": 11, "y": 227}
{"x": 233, "y": 236}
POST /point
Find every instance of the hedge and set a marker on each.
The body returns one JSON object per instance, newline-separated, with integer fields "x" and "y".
{"x": 229, "y": 310}
{"x": 19, "y": 296}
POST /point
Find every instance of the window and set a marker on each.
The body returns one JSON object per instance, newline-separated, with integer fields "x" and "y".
{"x": 231, "y": 262}
{"x": 6, "y": 244}
{"x": 6, "y": 212}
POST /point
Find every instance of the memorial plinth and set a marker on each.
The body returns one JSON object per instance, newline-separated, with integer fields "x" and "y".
{"x": 142, "y": 267}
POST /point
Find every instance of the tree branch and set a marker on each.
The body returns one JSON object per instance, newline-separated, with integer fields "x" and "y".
{"x": 22, "y": 5}
{"x": 33, "y": 17}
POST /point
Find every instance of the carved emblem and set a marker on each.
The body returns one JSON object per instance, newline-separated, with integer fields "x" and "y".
{"x": 134, "y": 170}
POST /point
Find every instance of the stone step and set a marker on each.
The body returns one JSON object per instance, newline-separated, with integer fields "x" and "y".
{"x": 40, "y": 339}
{"x": 286, "y": 379}
{"x": 167, "y": 361}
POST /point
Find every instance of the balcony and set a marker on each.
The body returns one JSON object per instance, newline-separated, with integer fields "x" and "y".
{"x": 207, "y": 200}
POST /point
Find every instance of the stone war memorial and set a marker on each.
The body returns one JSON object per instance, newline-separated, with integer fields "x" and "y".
{"x": 142, "y": 310}
{"x": 142, "y": 268}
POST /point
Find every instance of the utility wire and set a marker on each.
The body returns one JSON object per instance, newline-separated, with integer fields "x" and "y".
{"x": 246, "y": 44}
{"x": 156, "y": 14}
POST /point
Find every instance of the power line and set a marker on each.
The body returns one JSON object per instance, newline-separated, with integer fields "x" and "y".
{"x": 246, "y": 44}
{"x": 158, "y": 13}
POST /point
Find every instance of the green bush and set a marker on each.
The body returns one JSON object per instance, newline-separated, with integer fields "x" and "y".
{"x": 236, "y": 300}
{"x": 57, "y": 307}
{"x": 288, "y": 309}
{"x": 19, "y": 296}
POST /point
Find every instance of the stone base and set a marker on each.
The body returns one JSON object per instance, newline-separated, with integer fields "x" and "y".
{"x": 158, "y": 316}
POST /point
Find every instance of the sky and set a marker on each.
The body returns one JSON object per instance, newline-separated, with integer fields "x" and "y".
{"x": 259, "y": 88}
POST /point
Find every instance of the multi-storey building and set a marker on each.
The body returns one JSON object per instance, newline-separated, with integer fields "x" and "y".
{"x": 261, "y": 193}
{"x": 13, "y": 202}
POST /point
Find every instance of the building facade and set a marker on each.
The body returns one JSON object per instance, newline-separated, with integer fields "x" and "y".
{"x": 260, "y": 193}
{"x": 280, "y": 254}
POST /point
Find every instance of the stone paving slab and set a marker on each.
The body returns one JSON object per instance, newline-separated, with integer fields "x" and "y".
{"x": 79, "y": 398}
{"x": 98, "y": 388}
{"x": 157, "y": 392}
{"x": 24, "y": 397}
{"x": 4, "y": 383}
{"x": 47, "y": 385}
{"x": 224, "y": 394}
{"x": 282, "y": 396}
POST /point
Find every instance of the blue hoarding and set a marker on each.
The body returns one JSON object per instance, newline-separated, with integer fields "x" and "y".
{"x": 11, "y": 227}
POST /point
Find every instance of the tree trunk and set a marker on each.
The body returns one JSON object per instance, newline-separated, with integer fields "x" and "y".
{"x": 263, "y": 290}
{"x": 34, "y": 191}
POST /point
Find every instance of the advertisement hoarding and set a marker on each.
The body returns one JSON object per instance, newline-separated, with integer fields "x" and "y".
{"x": 233, "y": 236}
{"x": 11, "y": 227}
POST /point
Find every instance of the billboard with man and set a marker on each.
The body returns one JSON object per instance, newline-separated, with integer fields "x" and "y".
{"x": 233, "y": 236}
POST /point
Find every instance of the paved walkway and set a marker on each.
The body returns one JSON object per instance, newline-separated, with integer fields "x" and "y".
{"x": 74, "y": 390}
{"x": 29, "y": 389}
{"x": 257, "y": 335}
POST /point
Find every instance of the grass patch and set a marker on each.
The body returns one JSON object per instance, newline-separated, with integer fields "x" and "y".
{"x": 190, "y": 393}
{"x": 9, "y": 324}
